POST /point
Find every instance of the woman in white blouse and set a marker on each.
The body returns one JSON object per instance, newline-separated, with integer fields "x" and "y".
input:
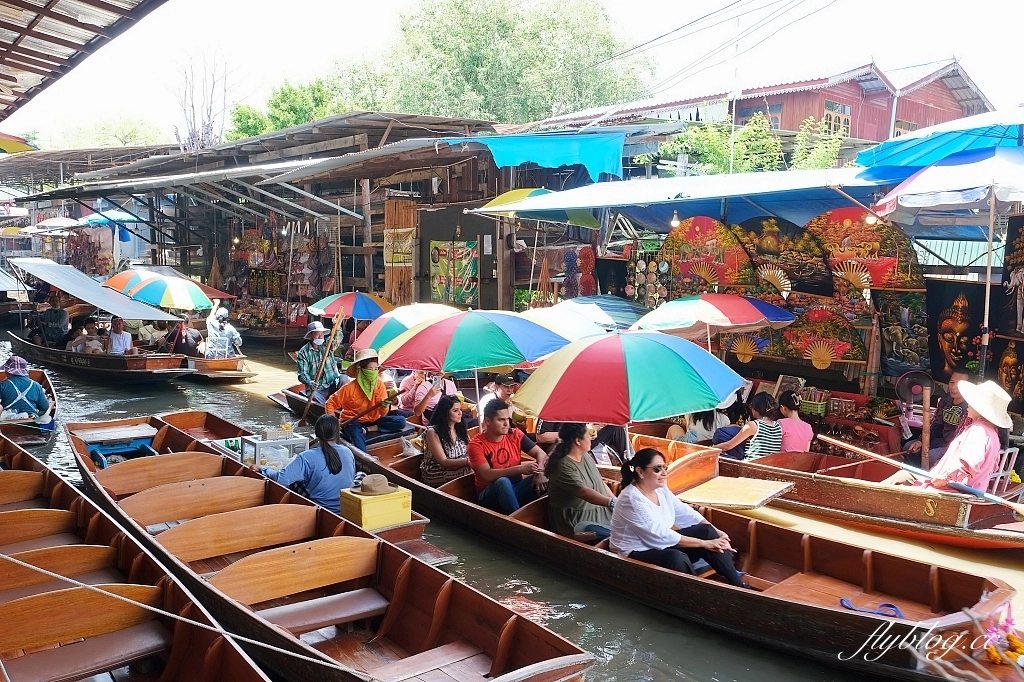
{"x": 645, "y": 513}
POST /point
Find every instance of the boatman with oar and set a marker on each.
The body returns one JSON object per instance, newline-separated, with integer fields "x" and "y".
{"x": 314, "y": 355}
{"x": 973, "y": 456}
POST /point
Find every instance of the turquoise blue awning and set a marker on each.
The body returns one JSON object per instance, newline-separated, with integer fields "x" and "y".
{"x": 597, "y": 152}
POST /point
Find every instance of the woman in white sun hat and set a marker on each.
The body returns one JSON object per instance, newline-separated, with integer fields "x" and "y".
{"x": 973, "y": 455}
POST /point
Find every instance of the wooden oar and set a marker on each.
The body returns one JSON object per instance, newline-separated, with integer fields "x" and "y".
{"x": 335, "y": 324}
{"x": 959, "y": 487}
{"x": 370, "y": 409}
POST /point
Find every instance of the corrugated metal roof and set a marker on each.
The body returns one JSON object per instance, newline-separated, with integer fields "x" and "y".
{"x": 42, "y": 41}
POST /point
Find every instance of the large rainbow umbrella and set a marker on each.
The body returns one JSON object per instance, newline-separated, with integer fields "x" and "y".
{"x": 624, "y": 377}
{"x": 401, "y": 319}
{"x": 129, "y": 279}
{"x": 471, "y": 340}
{"x": 171, "y": 292}
{"x": 697, "y": 317}
{"x": 352, "y": 304}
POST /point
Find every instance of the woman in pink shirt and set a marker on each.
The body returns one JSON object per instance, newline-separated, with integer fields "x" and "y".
{"x": 796, "y": 433}
{"x": 973, "y": 455}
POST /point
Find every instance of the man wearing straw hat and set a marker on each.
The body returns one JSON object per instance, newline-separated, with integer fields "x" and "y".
{"x": 364, "y": 402}
{"x": 309, "y": 359}
{"x": 973, "y": 456}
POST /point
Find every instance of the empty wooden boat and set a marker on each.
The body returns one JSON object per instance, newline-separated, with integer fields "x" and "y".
{"x": 120, "y": 369}
{"x": 798, "y": 579}
{"x": 220, "y": 369}
{"x": 51, "y": 629}
{"x": 25, "y": 432}
{"x": 848, "y": 492}
{"x": 273, "y": 566}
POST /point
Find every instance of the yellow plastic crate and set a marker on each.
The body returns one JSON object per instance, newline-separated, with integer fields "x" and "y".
{"x": 377, "y": 511}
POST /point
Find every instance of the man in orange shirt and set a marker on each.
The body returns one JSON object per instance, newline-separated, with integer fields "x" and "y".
{"x": 357, "y": 396}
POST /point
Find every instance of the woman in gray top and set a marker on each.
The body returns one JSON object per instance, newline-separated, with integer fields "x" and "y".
{"x": 579, "y": 501}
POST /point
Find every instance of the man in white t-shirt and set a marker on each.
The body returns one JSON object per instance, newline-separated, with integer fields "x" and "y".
{"x": 119, "y": 342}
{"x": 503, "y": 387}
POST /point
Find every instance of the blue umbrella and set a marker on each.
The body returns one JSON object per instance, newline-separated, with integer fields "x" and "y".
{"x": 109, "y": 217}
{"x": 926, "y": 146}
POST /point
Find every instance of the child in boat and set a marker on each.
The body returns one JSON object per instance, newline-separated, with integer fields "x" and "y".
{"x": 578, "y": 499}
{"x": 760, "y": 435}
{"x": 973, "y": 456}
{"x": 645, "y": 513}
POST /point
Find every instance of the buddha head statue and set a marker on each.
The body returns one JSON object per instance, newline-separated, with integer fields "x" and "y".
{"x": 953, "y": 327}
{"x": 1008, "y": 373}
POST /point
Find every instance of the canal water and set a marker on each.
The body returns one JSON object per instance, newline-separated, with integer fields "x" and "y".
{"x": 631, "y": 642}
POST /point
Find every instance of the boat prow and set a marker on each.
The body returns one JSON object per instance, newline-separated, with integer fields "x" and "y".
{"x": 221, "y": 369}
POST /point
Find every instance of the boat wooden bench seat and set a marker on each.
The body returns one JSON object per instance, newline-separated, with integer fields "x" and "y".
{"x": 334, "y": 609}
{"x": 193, "y": 499}
{"x": 26, "y": 529}
{"x": 20, "y": 488}
{"x": 90, "y": 564}
{"x": 142, "y": 473}
{"x": 92, "y": 656}
{"x": 110, "y": 633}
{"x": 295, "y": 569}
{"x": 240, "y": 530}
{"x": 426, "y": 661}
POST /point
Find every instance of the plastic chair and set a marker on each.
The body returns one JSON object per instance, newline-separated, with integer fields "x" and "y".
{"x": 999, "y": 481}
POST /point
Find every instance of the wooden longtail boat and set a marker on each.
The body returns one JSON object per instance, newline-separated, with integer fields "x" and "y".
{"x": 220, "y": 369}
{"x": 150, "y": 367}
{"x": 848, "y": 491}
{"x": 276, "y": 335}
{"x": 798, "y": 579}
{"x": 25, "y": 432}
{"x": 53, "y": 630}
{"x": 271, "y": 565}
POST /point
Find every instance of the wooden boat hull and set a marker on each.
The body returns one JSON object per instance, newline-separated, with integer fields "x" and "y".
{"x": 295, "y": 402}
{"x": 239, "y": 619}
{"x": 117, "y": 368}
{"x": 292, "y": 335}
{"x": 192, "y": 650}
{"x": 774, "y": 622}
{"x": 220, "y": 369}
{"x": 25, "y": 432}
{"x": 917, "y": 513}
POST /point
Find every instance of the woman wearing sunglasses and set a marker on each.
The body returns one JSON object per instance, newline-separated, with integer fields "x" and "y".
{"x": 645, "y": 513}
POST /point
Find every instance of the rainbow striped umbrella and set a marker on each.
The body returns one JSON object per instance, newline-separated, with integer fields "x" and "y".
{"x": 626, "y": 376}
{"x": 697, "y": 317}
{"x": 171, "y": 292}
{"x": 129, "y": 279}
{"x": 471, "y": 340}
{"x": 352, "y": 304}
{"x": 401, "y": 319}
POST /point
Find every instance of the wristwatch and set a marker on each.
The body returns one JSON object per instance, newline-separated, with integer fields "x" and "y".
{"x": 611, "y": 503}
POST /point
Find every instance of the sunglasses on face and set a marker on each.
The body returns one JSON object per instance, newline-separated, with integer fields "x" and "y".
{"x": 657, "y": 468}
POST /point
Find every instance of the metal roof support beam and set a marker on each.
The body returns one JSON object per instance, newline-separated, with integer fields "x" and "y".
{"x": 148, "y": 241}
{"x": 213, "y": 205}
{"x": 232, "y": 204}
{"x": 153, "y": 209}
{"x": 302, "y": 208}
{"x": 151, "y": 223}
{"x": 255, "y": 201}
{"x": 322, "y": 201}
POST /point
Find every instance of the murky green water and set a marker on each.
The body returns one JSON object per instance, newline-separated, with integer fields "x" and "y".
{"x": 631, "y": 642}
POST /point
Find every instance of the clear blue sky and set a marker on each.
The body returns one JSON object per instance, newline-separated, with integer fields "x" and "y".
{"x": 265, "y": 41}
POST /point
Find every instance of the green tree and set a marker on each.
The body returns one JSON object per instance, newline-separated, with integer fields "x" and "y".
{"x": 813, "y": 148}
{"x": 247, "y": 121}
{"x": 710, "y": 146}
{"x": 124, "y": 131}
{"x": 513, "y": 61}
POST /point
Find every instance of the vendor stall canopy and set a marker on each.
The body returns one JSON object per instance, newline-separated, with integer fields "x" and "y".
{"x": 43, "y": 43}
{"x": 80, "y": 285}
{"x": 796, "y": 196}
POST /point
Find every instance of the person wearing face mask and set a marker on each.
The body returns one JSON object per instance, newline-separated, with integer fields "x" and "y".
{"x": 364, "y": 402}
{"x": 218, "y": 327}
{"x": 309, "y": 359}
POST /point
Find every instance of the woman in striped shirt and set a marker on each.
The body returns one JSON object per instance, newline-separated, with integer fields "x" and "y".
{"x": 761, "y": 435}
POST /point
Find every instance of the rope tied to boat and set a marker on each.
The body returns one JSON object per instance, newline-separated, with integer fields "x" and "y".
{"x": 886, "y": 609}
{"x": 167, "y": 614}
